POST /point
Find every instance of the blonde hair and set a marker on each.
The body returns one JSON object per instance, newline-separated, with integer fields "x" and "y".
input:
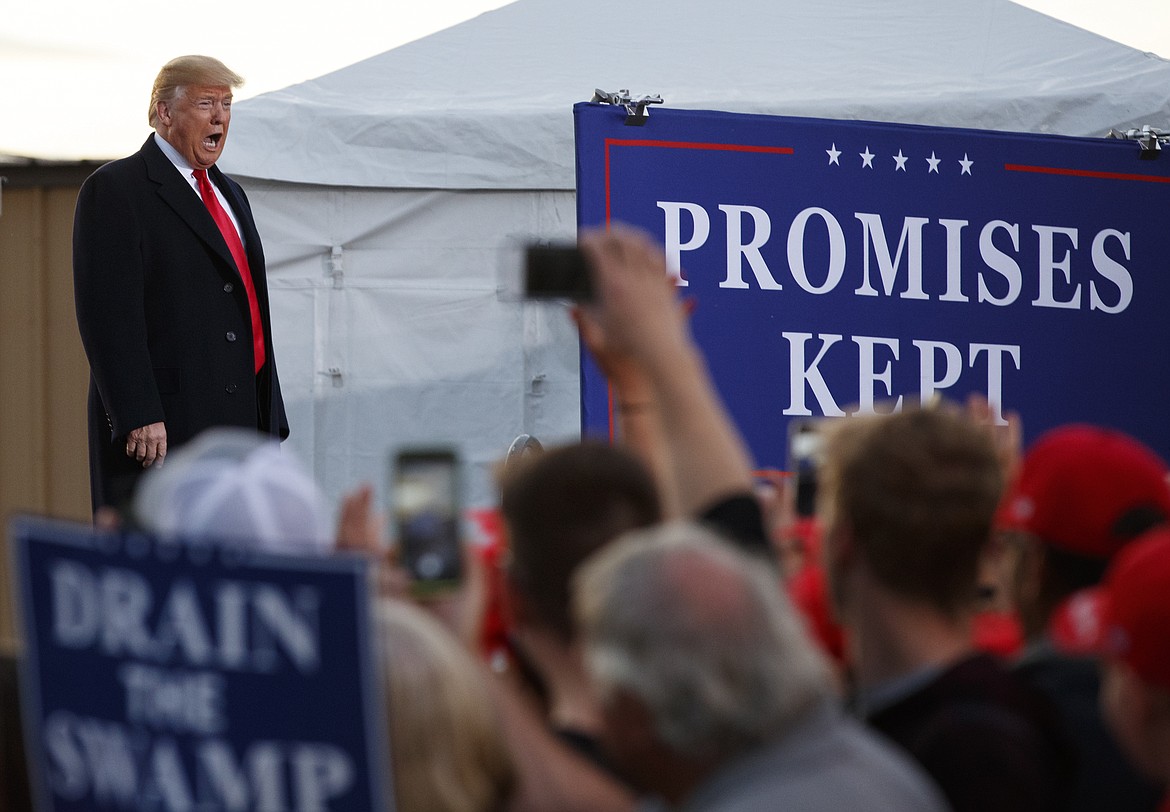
{"x": 184, "y": 71}
{"x": 446, "y": 747}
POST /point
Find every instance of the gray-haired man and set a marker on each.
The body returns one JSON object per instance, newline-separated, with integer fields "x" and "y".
{"x": 712, "y": 696}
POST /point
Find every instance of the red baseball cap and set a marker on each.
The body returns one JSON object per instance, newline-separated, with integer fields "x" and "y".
{"x": 1127, "y": 617}
{"x": 1075, "y": 484}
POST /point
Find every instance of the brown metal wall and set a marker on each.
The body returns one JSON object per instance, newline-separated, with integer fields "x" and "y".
{"x": 43, "y": 372}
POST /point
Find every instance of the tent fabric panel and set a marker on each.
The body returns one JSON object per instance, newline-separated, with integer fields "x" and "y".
{"x": 415, "y": 340}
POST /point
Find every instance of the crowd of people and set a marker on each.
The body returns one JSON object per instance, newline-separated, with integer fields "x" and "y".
{"x": 950, "y": 623}
{"x": 674, "y": 636}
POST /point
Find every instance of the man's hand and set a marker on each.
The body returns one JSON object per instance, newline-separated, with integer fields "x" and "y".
{"x": 637, "y": 312}
{"x": 1007, "y": 438}
{"x": 147, "y": 444}
{"x": 359, "y": 530}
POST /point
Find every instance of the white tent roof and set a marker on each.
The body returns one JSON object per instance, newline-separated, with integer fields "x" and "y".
{"x": 386, "y": 191}
{"x": 487, "y": 104}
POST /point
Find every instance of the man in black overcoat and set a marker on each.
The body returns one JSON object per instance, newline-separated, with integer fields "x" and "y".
{"x": 177, "y": 333}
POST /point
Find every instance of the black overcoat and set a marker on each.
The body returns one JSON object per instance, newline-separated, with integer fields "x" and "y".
{"x": 163, "y": 314}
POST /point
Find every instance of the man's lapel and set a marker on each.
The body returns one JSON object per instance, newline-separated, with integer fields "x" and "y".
{"x": 184, "y": 200}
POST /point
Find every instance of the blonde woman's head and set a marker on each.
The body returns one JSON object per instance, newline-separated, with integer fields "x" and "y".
{"x": 446, "y": 746}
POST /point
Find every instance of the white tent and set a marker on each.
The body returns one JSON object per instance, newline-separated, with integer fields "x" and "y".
{"x": 386, "y": 190}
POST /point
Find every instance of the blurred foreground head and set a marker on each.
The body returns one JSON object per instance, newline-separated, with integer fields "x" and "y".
{"x": 235, "y": 487}
{"x": 695, "y": 637}
{"x": 559, "y": 507}
{"x": 1125, "y": 620}
{"x": 1087, "y": 490}
{"x": 1082, "y": 493}
{"x": 911, "y": 496}
{"x": 446, "y": 744}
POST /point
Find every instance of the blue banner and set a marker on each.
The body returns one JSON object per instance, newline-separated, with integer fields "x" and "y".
{"x": 844, "y": 267}
{"x": 166, "y": 677}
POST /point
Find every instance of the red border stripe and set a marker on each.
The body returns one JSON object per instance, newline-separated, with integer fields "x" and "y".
{"x": 1083, "y": 173}
{"x": 618, "y": 142}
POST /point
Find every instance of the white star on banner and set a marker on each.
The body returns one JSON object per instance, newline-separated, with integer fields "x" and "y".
{"x": 866, "y": 158}
{"x": 966, "y": 163}
{"x": 933, "y": 161}
{"x": 834, "y": 154}
{"x": 900, "y": 161}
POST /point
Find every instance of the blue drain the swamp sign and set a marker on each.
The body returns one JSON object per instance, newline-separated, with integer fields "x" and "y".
{"x": 846, "y": 266}
{"x": 171, "y": 678}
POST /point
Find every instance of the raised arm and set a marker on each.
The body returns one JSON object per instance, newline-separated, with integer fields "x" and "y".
{"x": 638, "y": 317}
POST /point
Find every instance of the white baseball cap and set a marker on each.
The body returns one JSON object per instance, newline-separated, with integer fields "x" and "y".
{"x": 236, "y": 488}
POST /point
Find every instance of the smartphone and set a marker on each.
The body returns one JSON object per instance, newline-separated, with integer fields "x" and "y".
{"x": 556, "y": 271}
{"x": 805, "y": 447}
{"x": 426, "y": 510}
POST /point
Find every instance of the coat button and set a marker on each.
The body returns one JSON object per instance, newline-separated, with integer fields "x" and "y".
{"x": 231, "y": 388}
{"x": 228, "y": 287}
{"x": 230, "y": 336}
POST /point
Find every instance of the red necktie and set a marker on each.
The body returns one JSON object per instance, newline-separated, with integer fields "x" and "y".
{"x": 228, "y": 230}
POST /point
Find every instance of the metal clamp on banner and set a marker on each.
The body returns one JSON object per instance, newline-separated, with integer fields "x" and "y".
{"x": 1150, "y": 139}
{"x": 636, "y": 106}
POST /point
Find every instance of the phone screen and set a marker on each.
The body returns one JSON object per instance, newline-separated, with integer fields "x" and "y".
{"x": 427, "y": 516}
{"x": 557, "y": 272}
{"x": 805, "y": 447}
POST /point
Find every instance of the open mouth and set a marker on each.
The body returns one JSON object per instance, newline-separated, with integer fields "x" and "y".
{"x": 212, "y": 141}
